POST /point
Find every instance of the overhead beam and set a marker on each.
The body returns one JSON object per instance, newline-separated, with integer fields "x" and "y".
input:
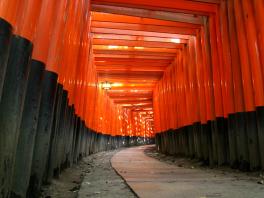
{"x": 145, "y": 28}
{"x": 161, "y": 15}
{"x": 126, "y": 80}
{"x": 129, "y": 79}
{"x": 126, "y": 48}
{"x": 129, "y": 57}
{"x": 128, "y": 87}
{"x": 138, "y": 33}
{"x": 130, "y": 74}
{"x": 129, "y": 97}
{"x": 139, "y": 106}
{"x": 114, "y": 78}
{"x": 144, "y": 44}
{"x": 106, "y": 17}
{"x": 181, "y": 6}
{"x": 125, "y": 66}
{"x": 135, "y": 38}
{"x": 125, "y": 69}
{"x": 143, "y": 53}
{"x": 208, "y": 1}
{"x": 132, "y": 101}
{"x": 133, "y": 91}
{"x": 130, "y": 94}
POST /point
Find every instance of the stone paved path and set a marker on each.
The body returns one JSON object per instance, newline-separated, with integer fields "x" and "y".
{"x": 151, "y": 178}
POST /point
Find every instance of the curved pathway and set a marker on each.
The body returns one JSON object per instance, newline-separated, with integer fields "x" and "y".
{"x": 151, "y": 178}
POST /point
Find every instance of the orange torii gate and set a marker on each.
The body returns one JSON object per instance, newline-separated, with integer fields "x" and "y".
{"x": 78, "y": 77}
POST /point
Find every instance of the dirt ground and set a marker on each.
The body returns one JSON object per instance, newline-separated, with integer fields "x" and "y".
{"x": 92, "y": 177}
{"x": 68, "y": 184}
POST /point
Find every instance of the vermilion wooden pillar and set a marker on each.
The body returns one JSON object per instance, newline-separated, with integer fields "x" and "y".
{"x": 16, "y": 81}
{"x": 11, "y": 10}
{"x": 248, "y": 87}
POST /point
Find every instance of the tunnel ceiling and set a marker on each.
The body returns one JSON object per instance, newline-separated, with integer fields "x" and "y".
{"x": 133, "y": 46}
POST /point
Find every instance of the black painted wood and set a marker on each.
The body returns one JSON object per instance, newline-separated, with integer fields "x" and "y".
{"x": 11, "y": 107}
{"x": 5, "y": 40}
{"x": 28, "y": 130}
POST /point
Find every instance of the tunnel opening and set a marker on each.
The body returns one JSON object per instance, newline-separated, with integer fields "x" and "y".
{"x": 78, "y": 78}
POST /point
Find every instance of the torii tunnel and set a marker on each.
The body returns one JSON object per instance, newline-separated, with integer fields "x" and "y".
{"x": 83, "y": 76}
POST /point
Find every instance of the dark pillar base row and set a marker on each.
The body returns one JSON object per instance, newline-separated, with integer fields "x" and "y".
{"x": 40, "y": 133}
{"x": 236, "y": 141}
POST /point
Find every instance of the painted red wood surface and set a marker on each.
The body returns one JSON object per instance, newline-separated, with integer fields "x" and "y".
{"x": 165, "y": 74}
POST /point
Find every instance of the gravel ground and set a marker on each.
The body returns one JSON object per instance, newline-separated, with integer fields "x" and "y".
{"x": 101, "y": 180}
{"x": 92, "y": 177}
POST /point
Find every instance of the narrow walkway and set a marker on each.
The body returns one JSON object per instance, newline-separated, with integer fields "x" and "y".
{"x": 150, "y": 178}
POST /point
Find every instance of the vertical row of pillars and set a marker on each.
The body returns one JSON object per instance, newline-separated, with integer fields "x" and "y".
{"x": 229, "y": 80}
{"x": 40, "y": 133}
{"x": 234, "y": 141}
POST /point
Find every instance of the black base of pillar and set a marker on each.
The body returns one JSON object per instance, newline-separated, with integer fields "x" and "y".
{"x": 232, "y": 134}
{"x": 54, "y": 132}
{"x": 253, "y": 143}
{"x": 233, "y": 141}
{"x": 42, "y": 140}
{"x": 28, "y": 130}
{"x": 196, "y": 130}
{"x": 260, "y": 124}
{"x": 242, "y": 141}
{"x": 5, "y": 39}
{"x": 11, "y": 107}
{"x": 222, "y": 140}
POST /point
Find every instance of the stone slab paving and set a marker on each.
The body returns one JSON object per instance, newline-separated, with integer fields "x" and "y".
{"x": 151, "y": 178}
